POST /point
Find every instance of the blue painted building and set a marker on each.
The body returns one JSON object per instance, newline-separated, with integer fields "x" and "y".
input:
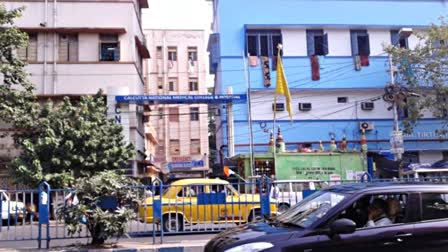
{"x": 335, "y": 66}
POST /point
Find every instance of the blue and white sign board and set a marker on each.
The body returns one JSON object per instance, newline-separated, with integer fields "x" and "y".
{"x": 182, "y": 98}
{"x": 185, "y": 165}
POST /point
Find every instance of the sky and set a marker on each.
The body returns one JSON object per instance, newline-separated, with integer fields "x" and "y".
{"x": 180, "y": 14}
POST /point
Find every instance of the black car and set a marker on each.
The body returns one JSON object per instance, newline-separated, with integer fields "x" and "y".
{"x": 405, "y": 217}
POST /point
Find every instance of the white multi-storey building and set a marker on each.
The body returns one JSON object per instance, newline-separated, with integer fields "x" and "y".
{"x": 178, "y": 68}
{"x": 79, "y": 47}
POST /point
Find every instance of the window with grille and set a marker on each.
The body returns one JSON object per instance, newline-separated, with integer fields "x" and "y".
{"x": 397, "y": 41}
{"x": 29, "y": 53}
{"x": 172, "y": 84}
{"x": 195, "y": 146}
{"x": 194, "y": 114}
{"x": 193, "y": 83}
{"x": 109, "y": 47}
{"x": 158, "y": 52}
{"x": 192, "y": 53}
{"x": 263, "y": 42}
{"x": 360, "y": 42}
{"x": 160, "y": 148}
{"x": 174, "y": 147}
{"x": 317, "y": 42}
{"x": 68, "y": 47}
{"x": 160, "y": 82}
{"x": 160, "y": 113}
{"x": 174, "y": 114}
{"x": 172, "y": 53}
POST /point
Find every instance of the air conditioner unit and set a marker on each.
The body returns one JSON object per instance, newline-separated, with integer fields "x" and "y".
{"x": 278, "y": 106}
{"x": 367, "y": 105}
{"x": 366, "y": 126}
{"x": 305, "y": 106}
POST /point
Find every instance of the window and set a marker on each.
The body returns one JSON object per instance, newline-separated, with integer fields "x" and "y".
{"x": 160, "y": 148}
{"x": 263, "y": 42}
{"x": 193, "y": 53}
{"x": 397, "y": 41}
{"x": 160, "y": 82}
{"x": 68, "y": 47}
{"x": 410, "y": 157}
{"x": 158, "y": 52}
{"x": 160, "y": 110}
{"x": 174, "y": 147}
{"x": 193, "y": 83}
{"x": 317, "y": 42}
{"x": 342, "y": 99}
{"x": 29, "y": 53}
{"x": 109, "y": 47}
{"x": 172, "y": 84}
{"x": 172, "y": 53}
{"x": 386, "y": 209}
{"x": 360, "y": 42}
{"x": 194, "y": 114}
{"x": 174, "y": 115}
{"x": 195, "y": 146}
{"x": 434, "y": 206}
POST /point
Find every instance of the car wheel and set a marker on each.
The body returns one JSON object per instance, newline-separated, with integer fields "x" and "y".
{"x": 283, "y": 207}
{"x": 255, "y": 215}
{"x": 173, "y": 223}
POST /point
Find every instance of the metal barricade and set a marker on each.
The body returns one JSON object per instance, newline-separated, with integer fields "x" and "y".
{"x": 183, "y": 207}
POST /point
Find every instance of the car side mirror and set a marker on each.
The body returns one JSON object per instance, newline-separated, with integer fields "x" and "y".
{"x": 342, "y": 226}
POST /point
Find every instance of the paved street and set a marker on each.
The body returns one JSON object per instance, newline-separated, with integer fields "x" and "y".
{"x": 141, "y": 241}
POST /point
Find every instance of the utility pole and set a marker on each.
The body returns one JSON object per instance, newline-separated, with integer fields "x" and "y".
{"x": 396, "y": 133}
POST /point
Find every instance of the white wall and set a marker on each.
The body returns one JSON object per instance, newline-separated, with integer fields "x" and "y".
{"x": 324, "y": 105}
{"x": 339, "y": 42}
{"x": 294, "y": 41}
{"x": 430, "y": 157}
{"x": 378, "y": 38}
{"x": 86, "y": 78}
{"x": 88, "y": 47}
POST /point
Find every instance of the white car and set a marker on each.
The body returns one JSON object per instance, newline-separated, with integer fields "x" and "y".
{"x": 290, "y": 192}
{"x": 11, "y": 208}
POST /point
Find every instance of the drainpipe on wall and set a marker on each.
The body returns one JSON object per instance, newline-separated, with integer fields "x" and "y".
{"x": 165, "y": 92}
{"x": 54, "y": 48}
{"x": 45, "y": 48}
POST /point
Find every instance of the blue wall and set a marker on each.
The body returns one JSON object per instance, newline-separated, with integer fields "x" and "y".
{"x": 307, "y": 131}
{"x": 235, "y": 14}
{"x": 337, "y": 72}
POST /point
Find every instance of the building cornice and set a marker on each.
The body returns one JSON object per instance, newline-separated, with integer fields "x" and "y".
{"x": 104, "y": 30}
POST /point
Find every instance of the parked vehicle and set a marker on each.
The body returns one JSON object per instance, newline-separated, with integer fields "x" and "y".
{"x": 290, "y": 192}
{"x": 12, "y": 210}
{"x": 193, "y": 201}
{"x": 339, "y": 218}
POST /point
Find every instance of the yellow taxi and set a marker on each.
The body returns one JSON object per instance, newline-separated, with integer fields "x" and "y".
{"x": 196, "y": 201}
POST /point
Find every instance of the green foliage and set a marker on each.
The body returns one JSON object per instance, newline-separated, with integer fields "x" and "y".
{"x": 17, "y": 101}
{"x": 67, "y": 141}
{"x": 102, "y": 223}
{"x": 424, "y": 70}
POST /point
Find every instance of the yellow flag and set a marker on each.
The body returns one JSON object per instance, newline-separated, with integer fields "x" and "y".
{"x": 282, "y": 85}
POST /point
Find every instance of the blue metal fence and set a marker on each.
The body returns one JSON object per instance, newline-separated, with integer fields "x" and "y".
{"x": 178, "y": 208}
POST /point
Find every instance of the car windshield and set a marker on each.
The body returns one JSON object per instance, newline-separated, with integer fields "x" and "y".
{"x": 311, "y": 209}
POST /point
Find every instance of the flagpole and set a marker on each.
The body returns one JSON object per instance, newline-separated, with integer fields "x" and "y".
{"x": 274, "y": 124}
{"x": 249, "y": 112}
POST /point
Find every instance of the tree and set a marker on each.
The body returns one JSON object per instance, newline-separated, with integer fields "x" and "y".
{"x": 17, "y": 101}
{"x": 103, "y": 221}
{"x": 66, "y": 141}
{"x": 421, "y": 76}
